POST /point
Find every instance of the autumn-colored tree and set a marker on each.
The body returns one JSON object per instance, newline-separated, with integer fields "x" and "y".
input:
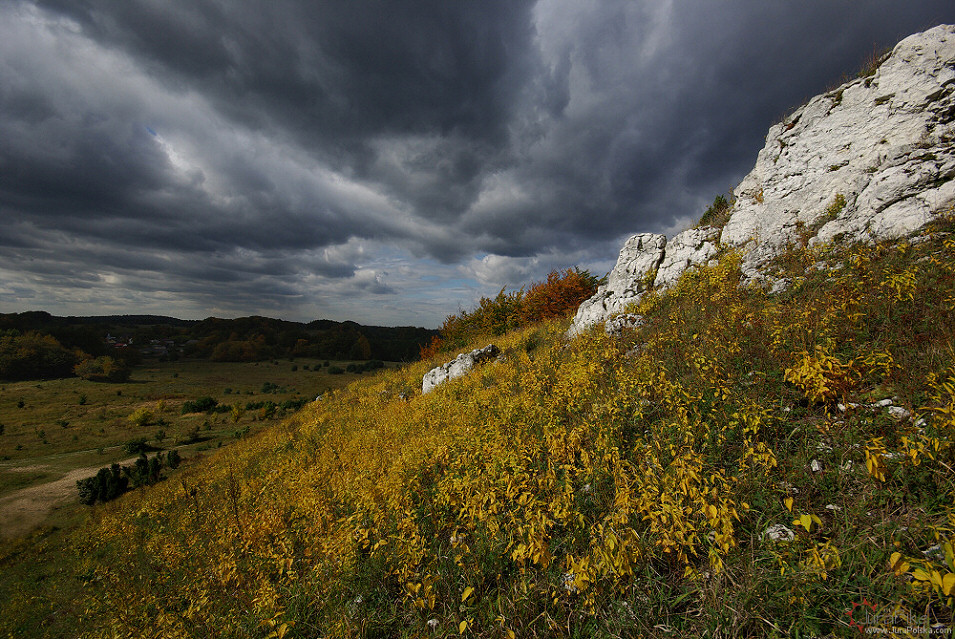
{"x": 561, "y": 293}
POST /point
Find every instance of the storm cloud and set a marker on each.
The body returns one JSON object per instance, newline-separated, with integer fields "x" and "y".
{"x": 386, "y": 162}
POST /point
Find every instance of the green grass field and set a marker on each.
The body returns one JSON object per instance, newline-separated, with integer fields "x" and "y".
{"x": 53, "y": 427}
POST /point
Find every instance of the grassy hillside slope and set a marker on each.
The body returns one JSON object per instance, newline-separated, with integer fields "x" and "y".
{"x": 601, "y": 487}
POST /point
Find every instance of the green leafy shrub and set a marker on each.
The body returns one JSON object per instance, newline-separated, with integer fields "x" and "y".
{"x": 137, "y": 446}
{"x": 201, "y": 405}
{"x": 718, "y": 213}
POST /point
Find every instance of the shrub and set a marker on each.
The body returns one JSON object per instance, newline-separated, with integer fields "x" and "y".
{"x": 137, "y": 446}
{"x": 34, "y": 355}
{"x": 718, "y": 213}
{"x": 335, "y": 370}
{"x": 103, "y": 369}
{"x": 140, "y": 417}
{"x": 201, "y": 405}
{"x": 293, "y": 404}
{"x": 557, "y": 296}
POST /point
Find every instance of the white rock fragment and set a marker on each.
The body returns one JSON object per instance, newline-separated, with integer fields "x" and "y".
{"x": 789, "y": 488}
{"x": 833, "y": 508}
{"x": 568, "y": 582}
{"x": 815, "y": 466}
{"x": 778, "y": 532}
{"x": 897, "y": 412}
{"x": 780, "y": 285}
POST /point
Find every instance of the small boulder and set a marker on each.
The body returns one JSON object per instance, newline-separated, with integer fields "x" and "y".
{"x": 457, "y": 367}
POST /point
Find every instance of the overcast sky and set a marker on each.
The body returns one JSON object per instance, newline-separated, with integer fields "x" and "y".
{"x": 386, "y": 162}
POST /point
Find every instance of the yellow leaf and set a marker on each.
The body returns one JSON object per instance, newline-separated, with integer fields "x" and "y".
{"x": 462, "y": 627}
{"x": 936, "y": 578}
{"x": 510, "y": 634}
{"x": 805, "y": 521}
{"x": 711, "y": 511}
{"x": 948, "y": 582}
{"x": 920, "y": 575}
{"x": 467, "y": 593}
{"x": 789, "y": 503}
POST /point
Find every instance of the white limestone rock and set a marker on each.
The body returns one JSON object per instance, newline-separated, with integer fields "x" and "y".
{"x": 873, "y": 159}
{"x": 618, "y": 324}
{"x": 690, "y": 248}
{"x": 459, "y": 366}
{"x": 899, "y": 413}
{"x": 886, "y": 144}
{"x": 778, "y": 532}
{"x": 637, "y": 263}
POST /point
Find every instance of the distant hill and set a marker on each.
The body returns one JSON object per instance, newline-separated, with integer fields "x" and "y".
{"x": 132, "y": 337}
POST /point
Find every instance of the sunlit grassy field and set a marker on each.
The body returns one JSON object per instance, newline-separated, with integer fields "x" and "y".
{"x": 601, "y": 487}
{"x": 51, "y": 427}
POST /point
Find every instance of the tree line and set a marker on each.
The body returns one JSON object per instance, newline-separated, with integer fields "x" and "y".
{"x": 38, "y": 345}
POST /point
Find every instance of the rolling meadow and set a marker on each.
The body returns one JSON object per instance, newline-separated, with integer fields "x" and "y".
{"x": 745, "y": 463}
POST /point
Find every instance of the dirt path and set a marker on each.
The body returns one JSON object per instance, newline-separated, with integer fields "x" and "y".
{"x": 23, "y": 510}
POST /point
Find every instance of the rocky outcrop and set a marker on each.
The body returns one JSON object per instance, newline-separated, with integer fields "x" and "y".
{"x": 873, "y": 159}
{"x": 646, "y": 260}
{"x": 689, "y": 248}
{"x": 459, "y": 366}
{"x": 632, "y": 275}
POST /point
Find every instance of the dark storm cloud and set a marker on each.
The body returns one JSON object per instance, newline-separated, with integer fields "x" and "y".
{"x": 241, "y": 156}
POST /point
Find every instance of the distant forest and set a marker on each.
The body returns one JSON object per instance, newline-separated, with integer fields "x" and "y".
{"x": 36, "y": 344}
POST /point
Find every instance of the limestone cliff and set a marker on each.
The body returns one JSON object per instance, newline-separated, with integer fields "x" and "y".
{"x": 873, "y": 159}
